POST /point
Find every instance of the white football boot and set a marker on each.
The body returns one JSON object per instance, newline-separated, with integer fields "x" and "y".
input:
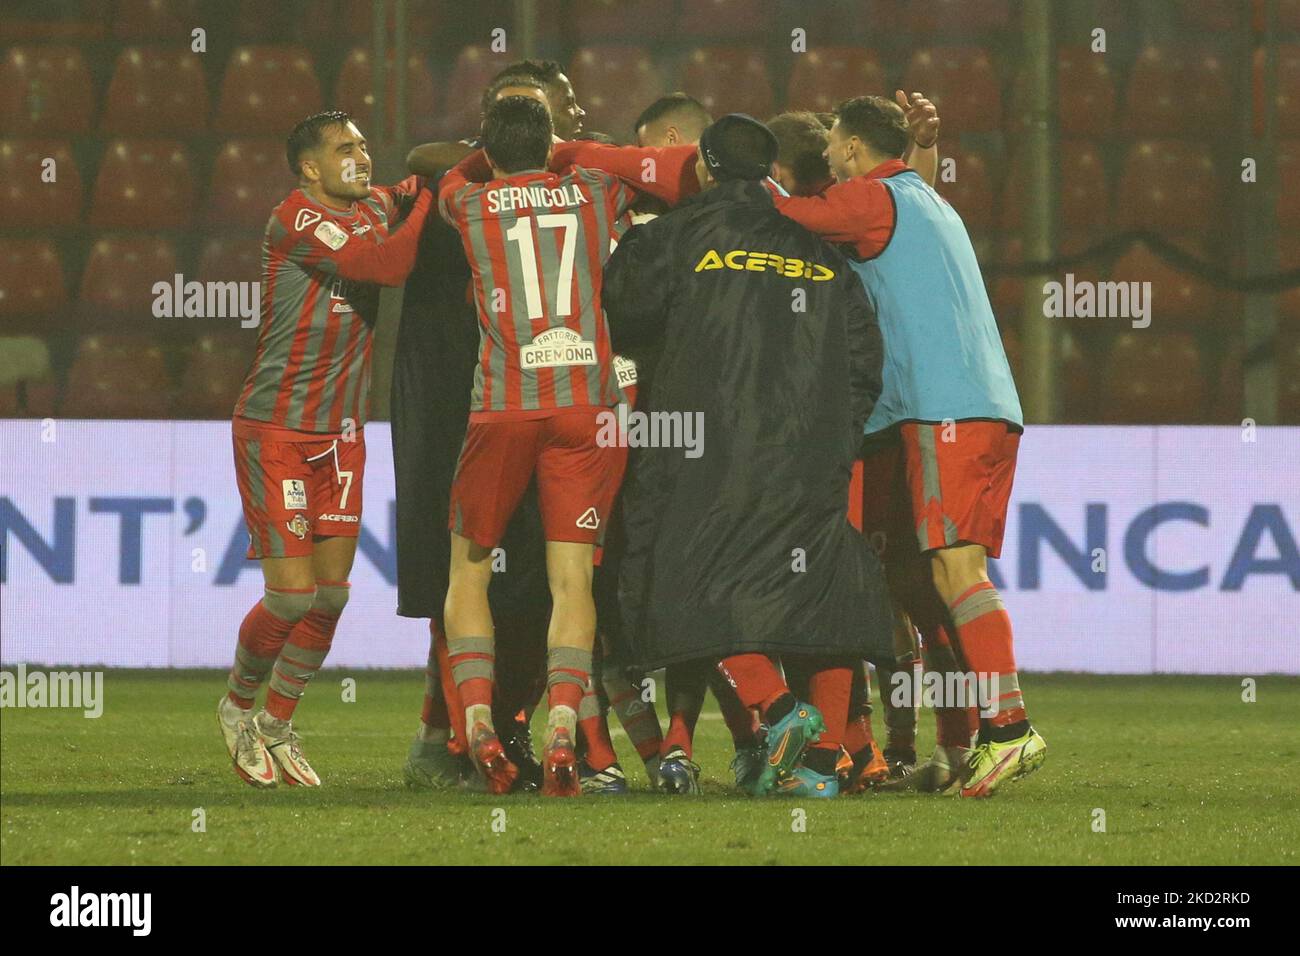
{"x": 282, "y": 743}
{"x": 247, "y": 754}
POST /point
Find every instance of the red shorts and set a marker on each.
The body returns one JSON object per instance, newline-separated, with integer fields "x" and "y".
{"x": 577, "y": 478}
{"x": 294, "y": 486}
{"x": 943, "y": 491}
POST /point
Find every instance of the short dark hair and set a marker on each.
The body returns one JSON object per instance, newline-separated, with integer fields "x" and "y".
{"x": 307, "y": 135}
{"x": 503, "y": 81}
{"x": 672, "y": 105}
{"x": 800, "y": 143}
{"x": 517, "y": 133}
{"x": 877, "y": 121}
{"x": 545, "y": 71}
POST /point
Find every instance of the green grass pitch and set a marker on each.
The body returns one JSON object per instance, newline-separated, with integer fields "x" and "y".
{"x": 1184, "y": 770}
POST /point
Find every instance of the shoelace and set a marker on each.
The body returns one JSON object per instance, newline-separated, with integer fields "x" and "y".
{"x": 245, "y": 742}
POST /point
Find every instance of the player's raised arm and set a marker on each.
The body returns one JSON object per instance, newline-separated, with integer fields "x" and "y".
{"x": 434, "y": 159}
{"x": 667, "y": 173}
{"x": 858, "y": 212}
{"x": 324, "y": 246}
{"x": 472, "y": 168}
{"x": 923, "y": 127}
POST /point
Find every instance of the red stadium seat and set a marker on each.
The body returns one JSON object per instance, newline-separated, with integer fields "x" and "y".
{"x": 1150, "y": 378}
{"x": 356, "y": 18}
{"x": 214, "y": 375}
{"x": 971, "y": 191}
{"x": 1085, "y": 94}
{"x": 1179, "y": 301}
{"x": 156, "y": 19}
{"x": 474, "y": 69}
{"x": 963, "y": 85}
{"x": 616, "y": 83}
{"x": 118, "y": 376}
{"x": 723, "y": 19}
{"x": 1081, "y": 184}
{"x": 1288, "y": 197}
{"x": 1288, "y": 90}
{"x": 232, "y": 259}
{"x": 354, "y": 92}
{"x": 31, "y": 280}
{"x": 121, "y": 273}
{"x": 1172, "y": 93}
{"x": 824, "y": 77}
{"x": 631, "y": 20}
{"x": 728, "y": 81}
{"x": 1214, "y": 16}
{"x": 266, "y": 89}
{"x": 143, "y": 184}
{"x": 955, "y": 16}
{"x": 1168, "y": 186}
{"x": 156, "y": 91}
{"x": 45, "y": 90}
{"x": 249, "y": 179}
{"x": 29, "y": 202}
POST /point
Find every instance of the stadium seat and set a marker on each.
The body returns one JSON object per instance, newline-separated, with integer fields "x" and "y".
{"x": 45, "y": 90}
{"x": 1085, "y": 94}
{"x": 265, "y": 90}
{"x": 1168, "y": 186}
{"x": 1152, "y": 378}
{"x": 824, "y": 77}
{"x": 155, "y": 19}
{"x": 1288, "y": 197}
{"x": 118, "y": 376}
{"x": 971, "y": 191}
{"x": 31, "y": 203}
{"x": 249, "y": 179}
{"x": 723, "y": 19}
{"x": 356, "y": 18}
{"x": 634, "y": 21}
{"x": 1176, "y": 93}
{"x": 962, "y": 17}
{"x": 963, "y": 85}
{"x": 31, "y": 280}
{"x": 1179, "y": 301}
{"x": 475, "y": 66}
{"x": 121, "y": 273}
{"x": 354, "y": 92}
{"x": 615, "y": 84}
{"x": 1288, "y": 90}
{"x": 1081, "y": 184}
{"x": 157, "y": 92}
{"x": 231, "y": 259}
{"x": 728, "y": 80}
{"x": 143, "y": 184}
{"x": 1213, "y": 16}
{"x": 214, "y": 375}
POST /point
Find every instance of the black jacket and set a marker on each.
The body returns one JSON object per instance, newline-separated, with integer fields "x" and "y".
{"x": 747, "y": 547}
{"x": 433, "y": 374}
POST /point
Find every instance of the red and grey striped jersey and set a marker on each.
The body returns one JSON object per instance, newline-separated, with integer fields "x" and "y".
{"x": 537, "y": 243}
{"x": 321, "y": 272}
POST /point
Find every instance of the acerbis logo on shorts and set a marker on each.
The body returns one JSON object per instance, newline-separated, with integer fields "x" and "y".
{"x": 295, "y": 494}
{"x": 299, "y": 527}
{"x": 556, "y": 347}
{"x": 351, "y": 519}
{"x": 589, "y": 520}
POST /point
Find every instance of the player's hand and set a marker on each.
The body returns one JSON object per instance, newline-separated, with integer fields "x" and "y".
{"x": 922, "y": 118}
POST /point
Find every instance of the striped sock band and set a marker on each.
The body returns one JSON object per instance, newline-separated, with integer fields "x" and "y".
{"x": 261, "y": 636}
{"x": 984, "y": 630}
{"x": 473, "y": 668}
{"x": 305, "y": 650}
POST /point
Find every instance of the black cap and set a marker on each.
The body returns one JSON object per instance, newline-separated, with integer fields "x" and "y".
{"x": 738, "y": 146}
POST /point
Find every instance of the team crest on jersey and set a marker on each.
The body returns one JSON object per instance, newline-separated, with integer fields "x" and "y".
{"x": 330, "y": 234}
{"x": 306, "y": 217}
{"x": 589, "y": 520}
{"x": 295, "y": 494}
{"x": 298, "y": 527}
{"x": 557, "y": 347}
{"x": 625, "y": 369}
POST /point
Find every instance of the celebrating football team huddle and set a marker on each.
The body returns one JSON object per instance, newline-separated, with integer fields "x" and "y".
{"x": 730, "y": 404}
